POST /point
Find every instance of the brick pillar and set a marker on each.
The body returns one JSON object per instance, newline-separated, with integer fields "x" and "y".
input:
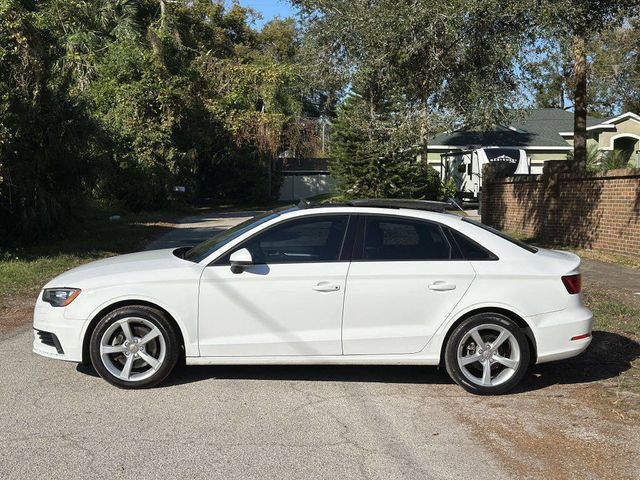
{"x": 486, "y": 195}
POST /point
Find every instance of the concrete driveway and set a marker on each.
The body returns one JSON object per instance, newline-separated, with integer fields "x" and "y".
{"x": 197, "y": 228}
{"x": 58, "y": 420}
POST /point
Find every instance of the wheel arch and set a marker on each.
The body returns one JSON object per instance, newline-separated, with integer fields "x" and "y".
{"x": 127, "y": 303}
{"x": 517, "y": 319}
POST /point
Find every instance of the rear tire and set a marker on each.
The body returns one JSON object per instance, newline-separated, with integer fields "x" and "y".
{"x": 134, "y": 347}
{"x": 487, "y": 354}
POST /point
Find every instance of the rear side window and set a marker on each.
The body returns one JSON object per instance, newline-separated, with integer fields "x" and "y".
{"x": 470, "y": 249}
{"x": 388, "y": 238}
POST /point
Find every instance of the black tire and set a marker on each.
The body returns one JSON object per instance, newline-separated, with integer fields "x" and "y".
{"x": 167, "y": 342}
{"x": 512, "y": 376}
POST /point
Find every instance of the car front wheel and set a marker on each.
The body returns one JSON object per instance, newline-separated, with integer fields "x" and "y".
{"x": 134, "y": 347}
{"x": 487, "y": 354}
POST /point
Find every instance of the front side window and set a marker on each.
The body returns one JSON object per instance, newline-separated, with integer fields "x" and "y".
{"x": 314, "y": 239}
{"x": 206, "y": 248}
{"x": 388, "y": 238}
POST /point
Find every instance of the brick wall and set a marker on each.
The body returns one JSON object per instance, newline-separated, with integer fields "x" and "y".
{"x": 559, "y": 207}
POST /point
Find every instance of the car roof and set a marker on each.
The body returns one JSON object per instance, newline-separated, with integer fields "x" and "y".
{"x": 393, "y": 203}
{"x": 435, "y": 214}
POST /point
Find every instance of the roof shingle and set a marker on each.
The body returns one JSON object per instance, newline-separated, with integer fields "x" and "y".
{"x": 539, "y": 127}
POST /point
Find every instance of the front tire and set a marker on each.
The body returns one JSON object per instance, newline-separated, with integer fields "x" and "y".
{"x": 134, "y": 347}
{"x": 487, "y": 354}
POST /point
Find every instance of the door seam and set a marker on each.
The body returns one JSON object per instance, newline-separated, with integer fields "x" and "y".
{"x": 344, "y": 299}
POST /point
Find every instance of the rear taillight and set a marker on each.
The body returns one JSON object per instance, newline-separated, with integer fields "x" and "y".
{"x": 573, "y": 283}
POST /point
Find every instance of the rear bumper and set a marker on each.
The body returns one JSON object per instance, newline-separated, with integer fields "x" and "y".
{"x": 554, "y": 333}
{"x": 65, "y": 341}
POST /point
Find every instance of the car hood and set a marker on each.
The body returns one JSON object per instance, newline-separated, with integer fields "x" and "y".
{"x": 113, "y": 269}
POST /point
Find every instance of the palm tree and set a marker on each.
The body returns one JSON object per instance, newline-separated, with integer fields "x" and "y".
{"x": 87, "y": 28}
{"x": 599, "y": 161}
{"x": 594, "y": 156}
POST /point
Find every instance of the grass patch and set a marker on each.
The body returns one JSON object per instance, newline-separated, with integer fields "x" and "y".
{"x": 613, "y": 313}
{"x": 623, "y": 260}
{"x": 620, "y": 316}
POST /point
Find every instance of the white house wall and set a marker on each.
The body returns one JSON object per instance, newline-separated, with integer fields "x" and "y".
{"x": 297, "y": 186}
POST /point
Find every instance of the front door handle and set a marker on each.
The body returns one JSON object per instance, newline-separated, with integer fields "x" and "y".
{"x": 326, "y": 287}
{"x": 442, "y": 286}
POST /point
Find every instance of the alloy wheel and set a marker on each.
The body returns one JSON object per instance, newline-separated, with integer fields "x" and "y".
{"x": 488, "y": 355}
{"x": 132, "y": 349}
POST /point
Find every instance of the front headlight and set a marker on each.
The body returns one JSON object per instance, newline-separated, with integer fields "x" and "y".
{"x": 60, "y": 297}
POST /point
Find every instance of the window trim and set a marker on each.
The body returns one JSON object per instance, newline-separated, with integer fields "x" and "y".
{"x": 358, "y": 249}
{"x": 223, "y": 260}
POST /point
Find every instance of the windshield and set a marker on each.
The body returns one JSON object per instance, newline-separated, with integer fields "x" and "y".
{"x": 515, "y": 241}
{"x": 206, "y": 248}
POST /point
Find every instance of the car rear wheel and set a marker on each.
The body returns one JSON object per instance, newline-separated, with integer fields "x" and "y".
{"x": 134, "y": 347}
{"x": 487, "y": 354}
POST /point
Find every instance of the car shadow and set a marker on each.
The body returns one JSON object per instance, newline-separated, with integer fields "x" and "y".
{"x": 408, "y": 374}
{"x": 607, "y": 357}
{"x": 405, "y": 374}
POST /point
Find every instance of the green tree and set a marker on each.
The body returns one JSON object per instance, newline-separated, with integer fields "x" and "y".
{"x": 416, "y": 67}
{"x": 615, "y": 69}
{"x": 43, "y": 135}
{"x": 454, "y": 57}
{"x": 125, "y": 99}
{"x": 547, "y": 73}
{"x": 578, "y": 21}
{"x": 381, "y": 166}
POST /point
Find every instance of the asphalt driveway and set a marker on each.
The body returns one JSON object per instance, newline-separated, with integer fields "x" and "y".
{"x": 58, "y": 420}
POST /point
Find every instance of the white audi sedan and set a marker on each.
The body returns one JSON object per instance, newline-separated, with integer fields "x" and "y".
{"x": 368, "y": 282}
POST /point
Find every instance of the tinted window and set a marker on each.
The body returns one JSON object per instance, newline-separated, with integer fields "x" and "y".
{"x": 313, "y": 239}
{"x": 470, "y": 249}
{"x": 387, "y": 238}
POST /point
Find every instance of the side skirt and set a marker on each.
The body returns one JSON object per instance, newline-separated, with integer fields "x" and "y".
{"x": 317, "y": 360}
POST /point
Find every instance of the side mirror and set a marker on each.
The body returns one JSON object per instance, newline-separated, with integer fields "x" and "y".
{"x": 240, "y": 259}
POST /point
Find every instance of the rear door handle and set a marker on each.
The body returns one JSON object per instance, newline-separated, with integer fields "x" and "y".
{"x": 442, "y": 286}
{"x": 326, "y": 287}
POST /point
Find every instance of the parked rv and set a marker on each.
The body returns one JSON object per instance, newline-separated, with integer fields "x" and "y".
{"x": 465, "y": 167}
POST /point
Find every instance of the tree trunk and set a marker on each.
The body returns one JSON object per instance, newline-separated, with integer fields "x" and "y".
{"x": 580, "y": 103}
{"x": 424, "y": 128}
{"x": 163, "y": 12}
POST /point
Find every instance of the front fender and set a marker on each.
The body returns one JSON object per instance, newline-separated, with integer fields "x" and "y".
{"x": 183, "y": 312}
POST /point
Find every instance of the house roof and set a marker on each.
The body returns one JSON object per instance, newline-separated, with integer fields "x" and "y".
{"x": 539, "y": 127}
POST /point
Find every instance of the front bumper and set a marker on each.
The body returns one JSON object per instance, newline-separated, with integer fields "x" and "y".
{"x": 65, "y": 343}
{"x": 554, "y": 333}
